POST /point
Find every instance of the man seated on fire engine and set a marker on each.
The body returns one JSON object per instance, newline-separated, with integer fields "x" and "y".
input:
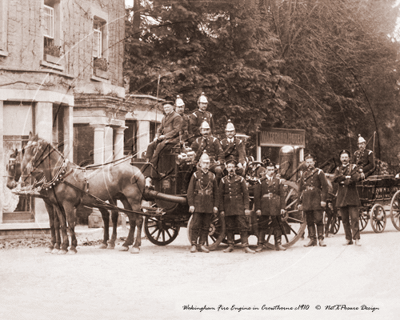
{"x": 167, "y": 134}
{"x": 233, "y": 148}
{"x": 200, "y": 115}
{"x": 212, "y": 147}
{"x": 363, "y": 159}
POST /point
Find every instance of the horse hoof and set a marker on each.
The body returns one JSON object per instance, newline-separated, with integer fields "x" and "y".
{"x": 62, "y": 251}
{"x": 49, "y": 250}
{"x": 102, "y": 246}
{"x": 55, "y": 251}
{"x": 72, "y": 251}
{"x": 123, "y": 248}
{"x": 111, "y": 246}
{"x": 135, "y": 250}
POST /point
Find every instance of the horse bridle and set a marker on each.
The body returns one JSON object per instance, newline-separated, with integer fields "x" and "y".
{"x": 36, "y": 160}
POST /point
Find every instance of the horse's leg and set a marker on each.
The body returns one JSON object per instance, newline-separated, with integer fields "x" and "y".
{"x": 62, "y": 219}
{"x": 106, "y": 234}
{"x": 114, "y": 218}
{"x": 138, "y": 220}
{"x": 131, "y": 233}
{"x": 70, "y": 209}
{"x": 51, "y": 213}
{"x": 56, "y": 230}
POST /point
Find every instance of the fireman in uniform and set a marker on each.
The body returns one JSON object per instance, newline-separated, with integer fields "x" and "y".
{"x": 314, "y": 191}
{"x": 180, "y": 109}
{"x": 167, "y": 134}
{"x": 347, "y": 200}
{"x": 211, "y": 145}
{"x": 270, "y": 206}
{"x": 233, "y": 148}
{"x": 202, "y": 197}
{"x": 363, "y": 159}
{"x": 199, "y": 116}
{"x": 234, "y": 206}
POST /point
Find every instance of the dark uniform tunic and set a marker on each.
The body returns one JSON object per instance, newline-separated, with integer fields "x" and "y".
{"x": 348, "y": 200}
{"x": 314, "y": 189}
{"x": 269, "y": 198}
{"x": 212, "y": 147}
{"x": 196, "y": 119}
{"x": 364, "y": 160}
{"x": 234, "y": 196}
{"x": 170, "y": 127}
{"x": 347, "y": 191}
{"x": 234, "y": 150}
{"x": 203, "y": 195}
{"x": 234, "y": 200}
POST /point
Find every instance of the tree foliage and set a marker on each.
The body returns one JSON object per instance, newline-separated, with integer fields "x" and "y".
{"x": 329, "y": 67}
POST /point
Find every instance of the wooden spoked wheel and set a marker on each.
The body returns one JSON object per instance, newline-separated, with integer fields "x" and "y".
{"x": 395, "y": 210}
{"x": 363, "y": 221}
{"x": 378, "y": 218}
{"x": 160, "y": 231}
{"x": 336, "y": 225}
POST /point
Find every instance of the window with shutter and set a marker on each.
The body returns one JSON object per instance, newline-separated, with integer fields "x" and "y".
{"x": 49, "y": 22}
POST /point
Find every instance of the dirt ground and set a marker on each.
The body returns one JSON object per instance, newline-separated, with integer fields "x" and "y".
{"x": 160, "y": 282}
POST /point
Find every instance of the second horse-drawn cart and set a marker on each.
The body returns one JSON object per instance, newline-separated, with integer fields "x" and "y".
{"x": 378, "y": 194}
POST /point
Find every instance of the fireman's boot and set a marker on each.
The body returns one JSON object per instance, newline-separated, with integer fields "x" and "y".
{"x": 260, "y": 241}
{"x": 231, "y": 242}
{"x": 278, "y": 243}
{"x": 311, "y": 234}
{"x": 245, "y": 242}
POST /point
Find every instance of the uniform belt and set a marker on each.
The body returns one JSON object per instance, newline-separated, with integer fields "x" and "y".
{"x": 308, "y": 188}
{"x": 269, "y": 195}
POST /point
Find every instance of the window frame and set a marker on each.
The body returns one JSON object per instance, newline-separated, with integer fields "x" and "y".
{"x": 99, "y": 35}
{"x": 51, "y": 34}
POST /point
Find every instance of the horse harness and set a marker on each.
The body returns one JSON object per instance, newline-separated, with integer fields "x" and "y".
{"x": 62, "y": 173}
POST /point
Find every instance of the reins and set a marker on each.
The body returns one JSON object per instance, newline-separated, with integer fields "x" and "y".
{"x": 63, "y": 172}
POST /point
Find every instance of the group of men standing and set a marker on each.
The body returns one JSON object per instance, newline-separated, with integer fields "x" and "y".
{"x": 313, "y": 187}
{"x": 210, "y": 191}
{"x": 218, "y": 185}
{"x": 231, "y": 198}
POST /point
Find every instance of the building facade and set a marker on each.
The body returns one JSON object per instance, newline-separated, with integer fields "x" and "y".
{"x": 61, "y": 76}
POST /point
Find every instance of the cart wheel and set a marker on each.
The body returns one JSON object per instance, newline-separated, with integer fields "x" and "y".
{"x": 395, "y": 210}
{"x": 216, "y": 232}
{"x": 160, "y": 231}
{"x": 336, "y": 225}
{"x": 293, "y": 227}
{"x": 364, "y": 217}
{"x": 378, "y": 218}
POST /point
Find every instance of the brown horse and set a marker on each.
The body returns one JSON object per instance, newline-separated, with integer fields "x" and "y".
{"x": 67, "y": 185}
{"x": 14, "y": 173}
